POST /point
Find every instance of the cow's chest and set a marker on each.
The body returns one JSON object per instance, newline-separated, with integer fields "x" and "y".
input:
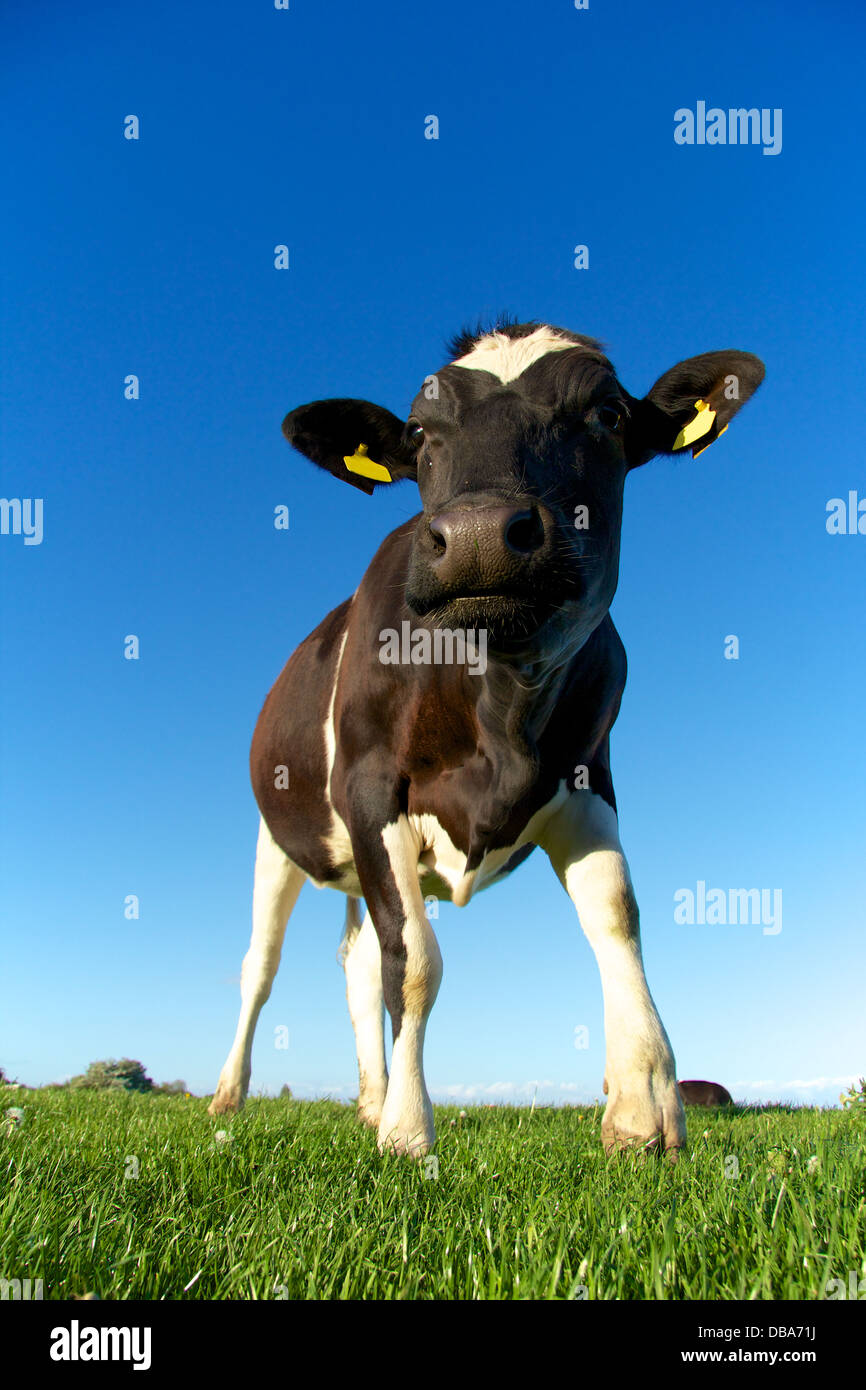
{"x": 442, "y": 865}
{"x": 442, "y": 852}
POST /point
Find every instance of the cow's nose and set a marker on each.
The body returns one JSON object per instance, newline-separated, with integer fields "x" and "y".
{"x": 486, "y": 544}
{"x": 518, "y": 529}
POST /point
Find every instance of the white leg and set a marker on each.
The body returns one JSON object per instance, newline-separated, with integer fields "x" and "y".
{"x": 406, "y": 1125}
{"x": 643, "y": 1106}
{"x": 277, "y": 884}
{"x": 362, "y": 961}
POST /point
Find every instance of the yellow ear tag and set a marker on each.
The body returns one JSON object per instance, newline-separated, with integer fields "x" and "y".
{"x": 702, "y": 422}
{"x": 360, "y": 463}
{"x": 695, "y": 452}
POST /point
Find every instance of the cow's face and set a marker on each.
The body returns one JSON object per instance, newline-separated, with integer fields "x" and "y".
{"x": 520, "y": 456}
{"x": 520, "y": 448}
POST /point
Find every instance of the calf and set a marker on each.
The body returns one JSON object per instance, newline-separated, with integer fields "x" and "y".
{"x": 387, "y": 769}
{"x": 704, "y": 1093}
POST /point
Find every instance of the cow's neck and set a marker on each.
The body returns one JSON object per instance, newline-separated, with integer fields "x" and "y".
{"x": 513, "y": 708}
{"x": 517, "y": 700}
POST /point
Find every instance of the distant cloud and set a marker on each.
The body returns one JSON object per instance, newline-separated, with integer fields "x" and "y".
{"x": 516, "y": 1091}
{"x": 813, "y": 1089}
{"x": 318, "y": 1091}
{"x": 816, "y": 1083}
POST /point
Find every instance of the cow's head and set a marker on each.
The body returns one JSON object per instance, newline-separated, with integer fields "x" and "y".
{"x": 520, "y": 448}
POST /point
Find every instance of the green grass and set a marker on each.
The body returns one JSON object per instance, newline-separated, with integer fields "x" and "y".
{"x": 297, "y": 1203}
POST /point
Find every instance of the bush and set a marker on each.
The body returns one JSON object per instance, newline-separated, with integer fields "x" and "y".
{"x": 125, "y": 1075}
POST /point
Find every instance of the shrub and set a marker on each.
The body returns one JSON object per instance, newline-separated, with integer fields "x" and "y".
{"x": 125, "y": 1075}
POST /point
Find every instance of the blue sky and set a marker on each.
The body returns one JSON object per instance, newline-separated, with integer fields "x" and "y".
{"x": 156, "y": 257}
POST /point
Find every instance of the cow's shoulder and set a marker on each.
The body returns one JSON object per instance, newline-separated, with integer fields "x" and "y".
{"x": 289, "y": 755}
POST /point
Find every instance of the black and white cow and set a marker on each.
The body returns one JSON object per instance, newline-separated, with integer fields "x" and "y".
{"x": 412, "y": 775}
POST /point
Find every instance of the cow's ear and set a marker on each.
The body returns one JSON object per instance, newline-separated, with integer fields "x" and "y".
{"x": 692, "y": 404}
{"x": 360, "y": 443}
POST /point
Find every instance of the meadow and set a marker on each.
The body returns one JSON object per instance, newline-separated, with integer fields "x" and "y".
{"x": 129, "y": 1196}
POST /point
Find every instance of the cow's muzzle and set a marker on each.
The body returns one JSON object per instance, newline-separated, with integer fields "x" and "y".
{"x": 487, "y": 562}
{"x": 488, "y": 547}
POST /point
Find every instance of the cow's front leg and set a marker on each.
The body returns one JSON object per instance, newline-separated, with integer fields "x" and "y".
{"x": 644, "y": 1106}
{"x": 387, "y": 863}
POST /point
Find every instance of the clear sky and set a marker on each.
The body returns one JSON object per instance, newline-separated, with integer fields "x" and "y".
{"x": 155, "y": 257}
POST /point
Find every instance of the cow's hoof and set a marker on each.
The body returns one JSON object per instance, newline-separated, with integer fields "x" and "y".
{"x": 369, "y": 1113}
{"x": 406, "y": 1142}
{"x": 228, "y": 1100}
{"x": 648, "y": 1119}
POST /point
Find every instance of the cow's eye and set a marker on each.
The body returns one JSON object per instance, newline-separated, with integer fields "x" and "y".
{"x": 611, "y": 416}
{"x": 415, "y": 435}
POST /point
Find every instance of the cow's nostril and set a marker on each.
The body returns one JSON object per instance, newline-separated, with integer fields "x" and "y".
{"x": 439, "y": 537}
{"x": 525, "y": 532}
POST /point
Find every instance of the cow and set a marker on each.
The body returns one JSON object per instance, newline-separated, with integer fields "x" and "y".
{"x": 396, "y": 770}
{"x": 704, "y": 1093}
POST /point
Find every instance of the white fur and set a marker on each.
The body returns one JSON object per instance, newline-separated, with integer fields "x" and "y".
{"x": 439, "y": 856}
{"x": 507, "y": 357}
{"x": 277, "y": 884}
{"x": 338, "y": 842}
{"x": 584, "y": 848}
{"x": 362, "y": 961}
{"x": 407, "y": 1116}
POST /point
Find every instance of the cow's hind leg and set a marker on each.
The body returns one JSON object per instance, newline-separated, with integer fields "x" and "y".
{"x": 277, "y": 884}
{"x": 644, "y": 1107}
{"x": 361, "y": 958}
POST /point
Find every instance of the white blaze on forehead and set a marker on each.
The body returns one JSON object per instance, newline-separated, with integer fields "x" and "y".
{"x": 507, "y": 357}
